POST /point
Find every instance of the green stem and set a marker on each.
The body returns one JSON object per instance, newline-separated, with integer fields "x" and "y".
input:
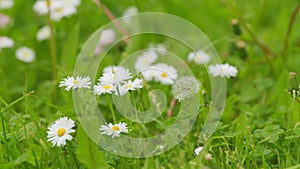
{"x": 52, "y": 43}
{"x": 287, "y": 36}
{"x": 111, "y": 109}
{"x": 261, "y": 45}
{"x": 73, "y": 156}
{"x": 16, "y": 101}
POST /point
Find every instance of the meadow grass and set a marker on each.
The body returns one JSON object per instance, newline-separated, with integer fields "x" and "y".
{"x": 259, "y": 127}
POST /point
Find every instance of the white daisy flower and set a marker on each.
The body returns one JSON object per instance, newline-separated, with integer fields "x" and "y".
{"x": 6, "y": 42}
{"x": 60, "y": 131}
{"x": 114, "y": 130}
{"x": 223, "y": 70}
{"x": 113, "y": 69}
{"x": 25, "y": 54}
{"x": 164, "y": 73}
{"x": 198, "y": 150}
{"x": 73, "y": 83}
{"x": 43, "y": 33}
{"x": 6, "y": 4}
{"x": 185, "y": 87}
{"x": 74, "y": 3}
{"x": 4, "y": 21}
{"x": 115, "y": 78}
{"x": 100, "y": 89}
{"x": 107, "y": 36}
{"x": 159, "y": 48}
{"x": 58, "y": 9}
{"x": 129, "y": 11}
{"x": 145, "y": 60}
{"x": 200, "y": 57}
{"x": 40, "y": 7}
{"x": 129, "y": 85}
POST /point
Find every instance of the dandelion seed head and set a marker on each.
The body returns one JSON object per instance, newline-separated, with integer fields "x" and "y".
{"x": 185, "y": 87}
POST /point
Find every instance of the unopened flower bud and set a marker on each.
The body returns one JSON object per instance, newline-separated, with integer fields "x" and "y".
{"x": 293, "y": 87}
{"x": 241, "y": 49}
{"x": 236, "y": 27}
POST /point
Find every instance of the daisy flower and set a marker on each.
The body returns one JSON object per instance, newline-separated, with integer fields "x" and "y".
{"x": 164, "y": 73}
{"x": 223, "y": 70}
{"x": 4, "y": 20}
{"x": 200, "y": 57}
{"x": 159, "y": 48}
{"x": 115, "y": 78}
{"x": 25, "y": 54}
{"x": 198, "y": 150}
{"x": 60, "y": 131}
{"x": 185, "y": 87}
{"x": 6, "y": 42}
{"x": 100, "y": 89}
{"x": 74, "y": 3}
{"x": 114, "y": 130}
{"x": 73, "y": 83}
{"x": 6, "y": 4}
{"x": 43, "y": 33}
{"x": 129, "y": 85}
{"x": 129, "y": 11}
{"x": 58, "y": 9}
{"x": 113, "y": 69}
{"x": 107, "y": 37}
{"x": 145, "y": 60}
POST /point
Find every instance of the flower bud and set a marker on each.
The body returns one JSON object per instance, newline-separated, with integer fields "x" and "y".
{"x": 293, "y": 87}
{"x": 236, "y": 27}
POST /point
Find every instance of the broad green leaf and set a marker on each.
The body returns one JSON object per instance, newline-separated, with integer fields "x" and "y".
{"x": 269, "y": 133}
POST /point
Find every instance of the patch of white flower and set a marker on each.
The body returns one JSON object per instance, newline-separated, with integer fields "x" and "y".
{"x": 6, "y": 42}
{"x": 185, "y": 87}
{"x": 25, "y": 54}
{"x": 43, "y": 33}
{"x": 159, "y": 72}
{"x": 129, "y": 11}
{"x": 223, "y": 70}
{"x": 116, "y": 80}
{"x": 58, "y": 8}
{"x": 200, "y": 57}
{"x": 6, "y": 4}
{"x": 107, "y": 37}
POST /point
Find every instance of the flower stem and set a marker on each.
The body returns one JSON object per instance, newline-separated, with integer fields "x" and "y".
{"x": 52, "y": 43}
{"x": 111, "y": 16}
{"x": 172, "y": 105}
{"x": 261, "y": 45}
{"x": 287, "y": 36}
{"x": 73, "y": 156}
{"x": 112, "y": 109}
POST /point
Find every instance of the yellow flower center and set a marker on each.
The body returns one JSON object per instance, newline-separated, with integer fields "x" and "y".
{"x": 75, "y": 82}
{"x": 106, "y": 87}
{"x": 164, "y": 74}
{"x": 59, "y": 10}
{"x": 145, "y": 61}
{"x": 129, "y": 86}
{"x": 25, "y": 54}
{"x": 61, "y": 132}
{"x": 115, "y": 128}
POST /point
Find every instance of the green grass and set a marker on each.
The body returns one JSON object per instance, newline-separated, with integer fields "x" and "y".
{"x": 260, "y": 124}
